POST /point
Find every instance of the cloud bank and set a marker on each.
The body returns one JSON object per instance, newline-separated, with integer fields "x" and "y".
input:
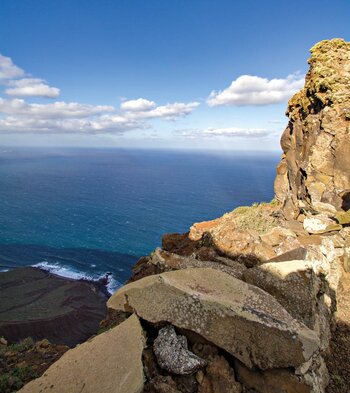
{"x": 229, "y": 132}
{"x": 18, "y": 115}
{"x": 254, "y": 90}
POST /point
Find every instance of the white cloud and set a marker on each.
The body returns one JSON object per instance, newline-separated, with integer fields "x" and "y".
{"x": 8, "y": 70}
{"x": 254, "y": 90}
{"x": 141, "y": 104}
{"x": 223, "y": 132}
{"x": 18, "y": 115}
{"x": 75, "y": 117}
{"x": 28, "y": 87}
{"x": 237, "y": 132}
{"x": 100, "y": 124}
{"x": 168, "y": 111}
{"x": 55, "y": 110}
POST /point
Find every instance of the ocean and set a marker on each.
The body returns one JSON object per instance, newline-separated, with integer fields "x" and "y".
{"x": 86, "y": 212}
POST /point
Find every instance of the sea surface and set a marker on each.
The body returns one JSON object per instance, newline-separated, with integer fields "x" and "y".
{"x": 86, "y": 212}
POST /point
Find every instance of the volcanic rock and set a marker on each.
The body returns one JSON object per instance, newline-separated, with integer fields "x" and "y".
{"x": 237, "y": 317}
{"x": 315, "y": 166}
{"x": 219, "y": 377}
{"x": 293, "y": 283}
{"x": 161, "y": 261}
{"x": 173, "y": 355}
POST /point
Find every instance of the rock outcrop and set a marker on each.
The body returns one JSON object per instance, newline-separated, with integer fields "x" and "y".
{"x": 110, "y": 362}
{"x": 314, "y": 174}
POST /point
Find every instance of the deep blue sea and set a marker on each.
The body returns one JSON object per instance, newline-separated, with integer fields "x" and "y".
{"x": 85, "y": 212}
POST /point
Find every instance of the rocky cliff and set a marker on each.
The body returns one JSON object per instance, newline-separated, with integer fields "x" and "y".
{"x": 315, "y": 168}
{"x": 254, "y": 301}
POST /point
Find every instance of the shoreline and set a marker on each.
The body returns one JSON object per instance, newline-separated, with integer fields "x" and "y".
{"x": 63, "y": 310}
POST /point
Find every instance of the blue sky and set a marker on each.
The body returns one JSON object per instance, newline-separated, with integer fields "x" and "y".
{"x": 156, "y": 73}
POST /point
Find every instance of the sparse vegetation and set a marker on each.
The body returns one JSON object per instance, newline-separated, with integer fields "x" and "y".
{"x": 257, "y": 216}
{"x": 15, "y": 377}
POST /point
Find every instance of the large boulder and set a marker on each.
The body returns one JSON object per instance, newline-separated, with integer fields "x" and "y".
{"x": 315, "y": 165}
{"x": 237, "y": 317}
{"x": 110, "y": 362}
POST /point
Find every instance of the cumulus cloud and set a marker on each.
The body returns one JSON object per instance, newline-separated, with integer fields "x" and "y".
{"x": 8, "y": 70}
{"x": 58, "y": 109}
{"x": 168, "y": 111}
{"x": 255, "y": 90}
{"x": 141, "y": 104}
{"x": 113, "y": 124}
{"x": 73, "y": 117}
{"x": 31, "y": 87}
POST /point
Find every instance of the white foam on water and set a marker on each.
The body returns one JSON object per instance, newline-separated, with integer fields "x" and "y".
{"x": 69, "y": 272}
{"x": 112, "y": 285}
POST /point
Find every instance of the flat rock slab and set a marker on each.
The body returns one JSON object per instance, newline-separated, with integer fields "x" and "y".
{"x": 109, "y": 363}
{"x": 35, "y": 303}
{"x": 240, "y": 318}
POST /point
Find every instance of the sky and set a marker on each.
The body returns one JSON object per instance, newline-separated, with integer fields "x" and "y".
{"x": 156, "y": 74}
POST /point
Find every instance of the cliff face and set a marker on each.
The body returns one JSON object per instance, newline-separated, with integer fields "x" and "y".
{"x": 315, "y": 166}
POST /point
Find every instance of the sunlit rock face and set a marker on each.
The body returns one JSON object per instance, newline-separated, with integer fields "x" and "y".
{"x": 315, "y": 168}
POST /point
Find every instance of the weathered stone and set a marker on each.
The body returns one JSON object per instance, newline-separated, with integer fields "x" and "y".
{"x": 110, "y": 362}
{"x": 283, "y": 380}
{"x": 346, "y": 259}
{"x": 238, "y": 317}
{"x": 166, "y": 261}
{"x": 298, "y": 253}
{"x": 293, "y": 283}
{"x": 162, "y": 384}
{"x": 173, "y": 355}
{"x": 343, "y": 218}
{"x": 219, "y": 377}
{"x": 276, "y": 236}
{"x": 322, "y": 207}
{"x": 320, "y": 224}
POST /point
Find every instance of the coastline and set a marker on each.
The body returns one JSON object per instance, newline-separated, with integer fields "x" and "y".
{"x": 62, "y": 310}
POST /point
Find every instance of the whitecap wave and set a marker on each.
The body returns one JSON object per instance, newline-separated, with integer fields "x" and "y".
{"x": 69, "y": 272}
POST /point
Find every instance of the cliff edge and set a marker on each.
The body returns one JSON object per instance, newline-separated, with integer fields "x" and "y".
{"x": 315, "y": 168}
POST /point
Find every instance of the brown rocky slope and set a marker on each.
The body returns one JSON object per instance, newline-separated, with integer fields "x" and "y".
{"x": 256, "y": 301}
